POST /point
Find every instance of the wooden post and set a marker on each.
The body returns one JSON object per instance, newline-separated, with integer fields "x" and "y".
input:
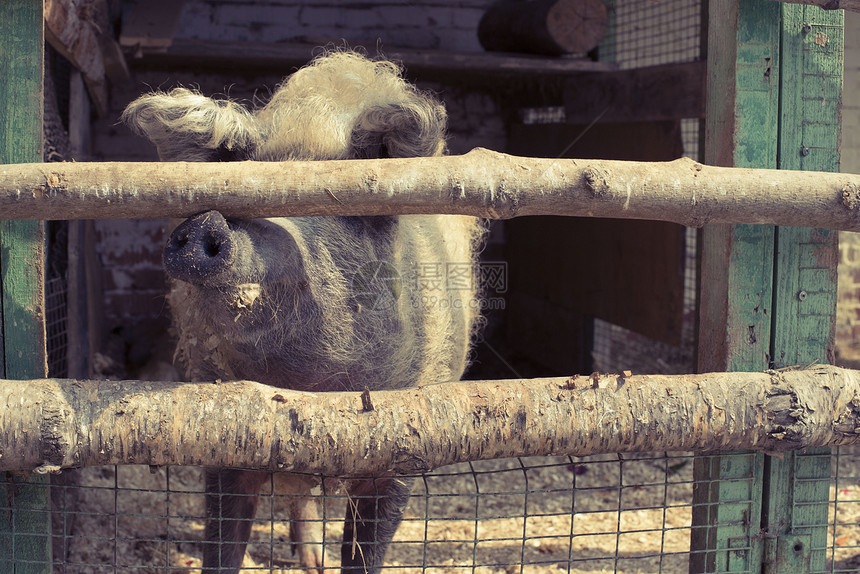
{"x": 25, "y": 525}
{"x": 769, "y": 294}
{"x": 736, "y": 272}
{"x": 796, "y": 487}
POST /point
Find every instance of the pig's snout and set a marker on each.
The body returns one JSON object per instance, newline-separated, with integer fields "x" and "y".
{"x": 201, "y": 248}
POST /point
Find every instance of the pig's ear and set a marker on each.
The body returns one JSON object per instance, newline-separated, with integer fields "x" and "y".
{"x": 186, "y": 126}
{"x": 411, "y": 129}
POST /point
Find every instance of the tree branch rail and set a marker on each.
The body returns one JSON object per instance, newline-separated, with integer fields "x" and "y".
{"x": 51, "y": 424}
{"x": 483, "y": 183}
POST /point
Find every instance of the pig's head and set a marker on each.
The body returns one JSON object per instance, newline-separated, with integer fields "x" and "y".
{"x": 273, "y": 294}
{"x": 341, "y": 106}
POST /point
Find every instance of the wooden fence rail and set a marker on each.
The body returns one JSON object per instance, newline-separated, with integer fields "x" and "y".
{"x": 50, "y": 424}
{"x": 481, "y": 183}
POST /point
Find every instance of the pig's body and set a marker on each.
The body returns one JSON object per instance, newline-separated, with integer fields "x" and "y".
{"x": 314, "y": 303}
{"x": 301, "y": 315}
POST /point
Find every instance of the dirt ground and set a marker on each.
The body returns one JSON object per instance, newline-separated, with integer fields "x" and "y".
{"x": 603, "y": 514}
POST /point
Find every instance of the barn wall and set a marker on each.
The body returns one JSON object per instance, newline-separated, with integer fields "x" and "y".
{"x": 438, "y": 25}
{"x": 848, "y": 308}
{"x": 130, "y": 251}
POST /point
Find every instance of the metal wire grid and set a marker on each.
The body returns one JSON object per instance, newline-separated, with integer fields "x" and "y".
{"x": 649, "y": 33}
{"x": 842, "y": 547}
{"x": 608, "y": 513}
{"x": 55, "y": 326}
{"x": 614, "y": 514}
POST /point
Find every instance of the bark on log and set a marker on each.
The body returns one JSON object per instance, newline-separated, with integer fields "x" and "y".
{"x": 550, "y": 27}
{"x": 853, "y": 5}
{"x": 50, "y": 424}
{"x": 481, "y": 183}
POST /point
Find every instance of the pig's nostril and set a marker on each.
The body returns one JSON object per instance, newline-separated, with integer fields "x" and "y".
{"x": 200, "y": 248}
{"x": 212, "y": 248}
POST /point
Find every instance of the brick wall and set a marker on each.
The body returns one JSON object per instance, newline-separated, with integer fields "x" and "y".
{"x": 848, "y": 307}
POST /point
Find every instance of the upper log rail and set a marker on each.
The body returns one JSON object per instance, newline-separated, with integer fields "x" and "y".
{"x": 482, "y": 183}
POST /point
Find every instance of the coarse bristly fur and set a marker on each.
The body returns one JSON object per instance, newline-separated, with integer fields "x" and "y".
{"x": 323, "y": 303}
{"x": 305, "y": 330}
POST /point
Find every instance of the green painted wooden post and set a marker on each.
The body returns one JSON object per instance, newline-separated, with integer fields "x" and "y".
{"x": 797, "y": 486}
{"x": 25, "y": 525}
{"x": 769, "y": 294}
{"x": 737, "y": 271}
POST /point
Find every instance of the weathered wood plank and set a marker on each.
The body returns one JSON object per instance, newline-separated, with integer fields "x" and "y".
{"x": 71, "y": 33}
{"x": 635, "y": 275}
{"x": 283, "y": 57}
{"x": 737, "y": 271}
{"x": 797, "y": 486}
{"x": 25, "y": 526}
{"x": 152, "y": 24}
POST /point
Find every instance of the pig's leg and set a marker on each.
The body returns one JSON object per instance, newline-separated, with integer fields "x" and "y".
{"x": 306, "y": 527}
{"x": 231, "y": 503}
{"x": 373, "y": 513}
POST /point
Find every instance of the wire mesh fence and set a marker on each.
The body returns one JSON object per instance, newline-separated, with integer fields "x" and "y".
{"x": 608, "y": 513}
{"x": 55, "y": 326}
{"x": 647, "y": 33}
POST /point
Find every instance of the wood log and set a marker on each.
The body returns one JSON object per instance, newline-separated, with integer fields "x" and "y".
{"x": 482, "y": 183}
{"x": 550, "y": 27}
{"x": 50, "y": 424}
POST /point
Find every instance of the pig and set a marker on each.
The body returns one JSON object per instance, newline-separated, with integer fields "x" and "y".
{"x": 314, "y": 303}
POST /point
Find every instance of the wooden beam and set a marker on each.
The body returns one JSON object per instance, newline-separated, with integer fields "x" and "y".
{"x": 73, "y": 36}
{"x": 736, "y": 272}
{"x": 655, "y": 93}
{"x": 804, "y": 303}
{"x": 282, "y": 57}
{"x": 25, "y": 525}
{"x": 152, "y": 24}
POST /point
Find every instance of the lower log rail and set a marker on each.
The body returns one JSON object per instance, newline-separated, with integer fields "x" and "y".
{"x": 50, "y": 424}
